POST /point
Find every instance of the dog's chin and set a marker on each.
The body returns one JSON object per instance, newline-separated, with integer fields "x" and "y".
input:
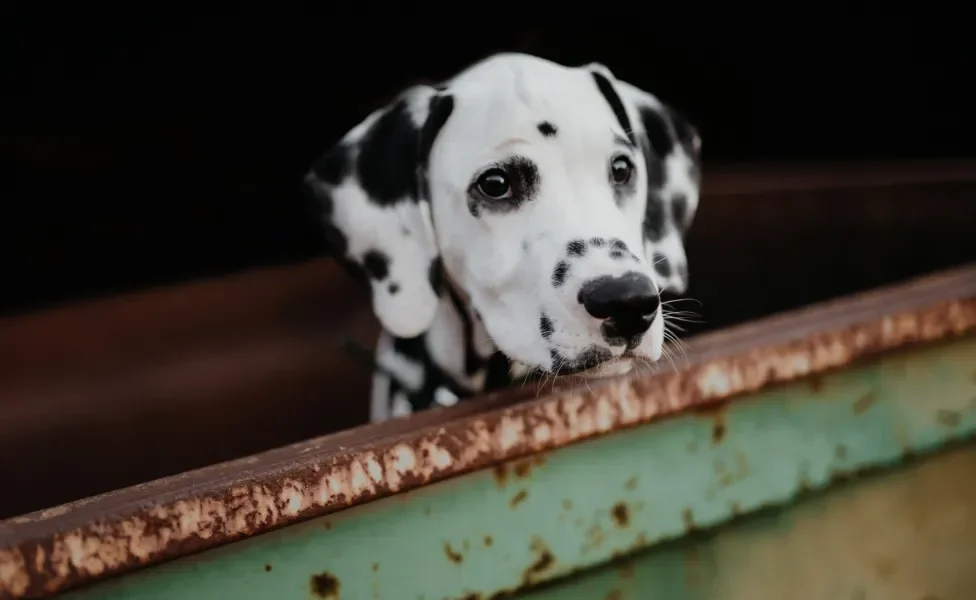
{"x": 611, "y": 368}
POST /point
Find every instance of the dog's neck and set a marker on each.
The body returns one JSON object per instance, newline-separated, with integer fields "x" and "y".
{"x": 454, "y": 359}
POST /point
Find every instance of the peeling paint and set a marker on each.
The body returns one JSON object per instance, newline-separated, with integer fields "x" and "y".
{"x": 57, "y": 549}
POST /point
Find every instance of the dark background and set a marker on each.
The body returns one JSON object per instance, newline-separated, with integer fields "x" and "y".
{"x": 145, "y": 148}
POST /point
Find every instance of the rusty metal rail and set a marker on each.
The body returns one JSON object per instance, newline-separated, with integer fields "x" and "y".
{"x": 108, "y": 535}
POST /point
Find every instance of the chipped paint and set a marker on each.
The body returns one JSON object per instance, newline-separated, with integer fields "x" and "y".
{"x": 62, "y": 547}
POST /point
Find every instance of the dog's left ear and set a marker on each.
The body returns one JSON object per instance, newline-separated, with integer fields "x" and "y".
{"x": 672, "y": 153}
{"x": 370, "y": 196}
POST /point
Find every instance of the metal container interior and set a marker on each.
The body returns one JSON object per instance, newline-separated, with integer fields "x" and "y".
{"x": 118, "y": 391}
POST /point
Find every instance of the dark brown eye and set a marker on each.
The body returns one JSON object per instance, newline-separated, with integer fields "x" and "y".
{"x": 621, "y": 170}
{"x": 494, "y": 184}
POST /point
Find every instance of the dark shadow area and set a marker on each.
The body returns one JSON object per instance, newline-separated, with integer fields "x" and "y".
{"x": 151, "y": 148}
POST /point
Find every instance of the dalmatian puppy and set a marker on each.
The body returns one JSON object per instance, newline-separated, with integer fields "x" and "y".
{"x": 521, "y": 218}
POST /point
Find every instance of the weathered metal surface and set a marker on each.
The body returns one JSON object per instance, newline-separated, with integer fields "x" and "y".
{"x": 905, "y": 534}
{"x": 86, "y": 541}
{"x": 502, "y": 530}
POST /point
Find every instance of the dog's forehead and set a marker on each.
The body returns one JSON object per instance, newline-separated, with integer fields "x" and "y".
{"x": 525, "y": 99}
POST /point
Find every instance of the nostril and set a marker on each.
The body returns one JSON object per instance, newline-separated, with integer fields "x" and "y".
{"x": 630, "y": 297}
{"x": 644, "y": 304}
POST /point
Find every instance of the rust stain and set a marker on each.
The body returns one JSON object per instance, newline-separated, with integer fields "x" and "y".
{"x": 614, "y": 595}
{"x": 488, "y": 541}
{"x": 688, "y": 518}
{"x": 500, "y": 472}
{"x": 718, "y": 432}
{"x": 620, "y": 514}
{"x": 376, "y": 567}
{"x": 567, "y": 504}
{"x": 630, "y": 484}
{"x": 544, "y": 560}
{"x": 325, "y": 585}
{"x": 518, "y": 498}
{"x": 267, "y": 568}
{"x": 864, "y": 403}
{"x": 452, "y": 555}
{"x": 816, "y": 383}
{"x": 55, "y": 550}
{"x": 948, "y": 418}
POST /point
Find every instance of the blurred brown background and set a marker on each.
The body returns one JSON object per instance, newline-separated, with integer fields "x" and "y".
{"x": 164, "y": 303}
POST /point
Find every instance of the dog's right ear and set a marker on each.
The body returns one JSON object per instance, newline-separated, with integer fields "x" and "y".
{"x": 371, "y": 198}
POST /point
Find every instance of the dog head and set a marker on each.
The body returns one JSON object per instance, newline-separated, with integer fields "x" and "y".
{"x": 554, "y": 198}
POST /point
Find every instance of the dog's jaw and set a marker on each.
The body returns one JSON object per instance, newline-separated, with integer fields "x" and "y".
{"x": 613, "y": 368}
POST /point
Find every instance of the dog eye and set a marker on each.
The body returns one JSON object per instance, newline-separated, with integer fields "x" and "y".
{"x": 621, "y": 170}
{"x": 494, "y": 184}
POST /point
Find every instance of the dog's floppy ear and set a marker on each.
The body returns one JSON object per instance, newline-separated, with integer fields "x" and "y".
{"x": 370, "y": 195}
{"x": 672, "y": 152}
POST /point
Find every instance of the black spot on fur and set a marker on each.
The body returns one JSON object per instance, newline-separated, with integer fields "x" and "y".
{"x": 654, "y": 218}
{"x": 598, "y": 242}
{"x": 394, "y": 288}
{"x": 434, "y": 377}
{"x": 377, "y": 265}
{"x": 441, "y": 108}
{"x": 318, "y": 205}
{"x": 679, "y": 210}
{"x": 499, "y": 372}
{"x": 656, "y": 128}
{"x": 388, "y": 157}
{"x": 576, "y": 248}
{"x": 683, "y": 130}
{"x": 618, "y": 249}
{"x": 659, "y": 145}
{"x": 435, "y": 275}
{"x": 559, "y": 273}
{"x": 610, "y": 95}
{"x": 662, "y": 265}
{"x": 333, "y": 166}
{"x": 547, "y": 129}
{"x": 545, "y": 326}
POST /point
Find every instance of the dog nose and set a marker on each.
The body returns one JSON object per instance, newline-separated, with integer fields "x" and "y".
{"x": 627, "y": 302}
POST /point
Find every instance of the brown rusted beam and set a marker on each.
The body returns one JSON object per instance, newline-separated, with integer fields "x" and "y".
{"x": 736, "y": 180}
{"x": 86, "y": 541}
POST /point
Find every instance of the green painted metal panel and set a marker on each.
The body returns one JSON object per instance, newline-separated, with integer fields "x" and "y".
{"x": 581, "y": 505}
{"x": 904, "y": 534}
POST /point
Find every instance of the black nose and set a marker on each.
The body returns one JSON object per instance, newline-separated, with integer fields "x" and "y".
{"x": 627, "y": 302}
